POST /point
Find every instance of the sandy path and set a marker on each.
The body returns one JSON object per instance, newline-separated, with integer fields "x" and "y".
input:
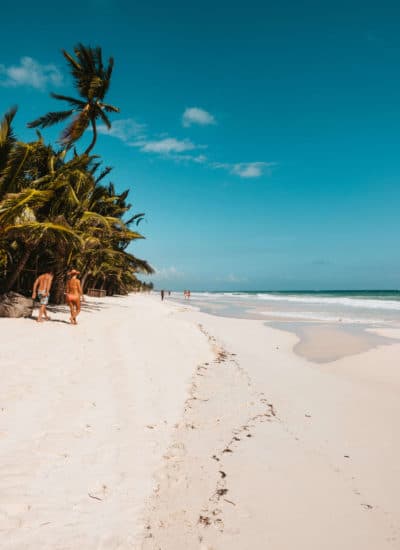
{"x": 86, "y": 414}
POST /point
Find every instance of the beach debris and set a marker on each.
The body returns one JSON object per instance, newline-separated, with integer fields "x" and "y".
{"x": 94, "y": 496}
{"x": 214, "y": 457}
{"x": 249, "y": 435}
{"x": 223, "y": 474}
{"x": 346, "y": 456}
{"x": 150, "y": 426}
{"x": 307, "y": 415}
{"x": 204, "y": 520}
{"x": 229, "y": 501}
{"x": 366, "y": 506}
{"x": 227, "y": 450}
{"x": 221, "y": 492}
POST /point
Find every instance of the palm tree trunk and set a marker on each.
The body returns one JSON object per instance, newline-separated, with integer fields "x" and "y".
{"x": 59, "y": 279}
{"x": 83, "y": 281}
{"x": 18, "y": 270}
{"x": 92, "y": 144}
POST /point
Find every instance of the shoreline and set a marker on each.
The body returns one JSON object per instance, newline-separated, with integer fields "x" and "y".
{"x": 207, "y": 432}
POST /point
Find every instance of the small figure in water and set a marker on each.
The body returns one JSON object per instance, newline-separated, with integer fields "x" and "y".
{"x": 73, "y": 295}
{"x": 162, "y": 295}
{"x": 43, "y": 282}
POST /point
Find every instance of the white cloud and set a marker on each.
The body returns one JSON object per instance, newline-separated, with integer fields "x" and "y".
{"x": 168, "y": 273}
{"x": 231, "y": 278}
{"x": 195, "y": 115}
{"x": 124, "y": 129}
{"x": 135, "y": 134}
{"x": 198, "y": 159}
{"x": 165, "y": 146}
{"x": 30, "y": 73}
{"x": 245, "y": 169}
{"x": 249, "y": 170}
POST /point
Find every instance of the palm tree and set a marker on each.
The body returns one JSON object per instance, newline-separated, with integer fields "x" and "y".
{"x": 56, "y": 212}
{"x": 92, "y": 81}
{"x": 7, "y": 138}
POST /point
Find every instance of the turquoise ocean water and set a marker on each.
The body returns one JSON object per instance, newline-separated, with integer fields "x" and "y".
{"x": 349, "y": 306}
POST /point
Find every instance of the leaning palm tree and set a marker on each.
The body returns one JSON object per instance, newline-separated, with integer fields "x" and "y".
{"x": 92, "y": 81}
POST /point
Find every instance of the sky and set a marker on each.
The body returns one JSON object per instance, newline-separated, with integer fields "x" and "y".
{"x": 261, "y": 139}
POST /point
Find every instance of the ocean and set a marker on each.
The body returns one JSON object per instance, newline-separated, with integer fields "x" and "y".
{"x": 379, "y": 307}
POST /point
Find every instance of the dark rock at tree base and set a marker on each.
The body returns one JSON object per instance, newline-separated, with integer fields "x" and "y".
{"x": 13, "y": 304}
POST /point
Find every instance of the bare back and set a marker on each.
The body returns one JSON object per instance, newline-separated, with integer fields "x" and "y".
{"x": 74, "y": 286}
{"x": 43, "y": 283}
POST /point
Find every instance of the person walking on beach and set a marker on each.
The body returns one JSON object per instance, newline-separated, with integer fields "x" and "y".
{"x": 43, "y": 283}
{"x": 162, "y": 295}
{"x": 73, "y": 295}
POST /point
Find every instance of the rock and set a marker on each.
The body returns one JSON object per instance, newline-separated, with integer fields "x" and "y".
{"x": 13, "y": 304}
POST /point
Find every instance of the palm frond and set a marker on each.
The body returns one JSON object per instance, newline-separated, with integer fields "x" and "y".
{"x": 104, "y": 118}
{"x": 103, "y": 174}
{"x": 137, "y": 218}
{"x": 71, "y": 100}
{"x": 109, "y": 108}
{"x": 7, "y": 137}
{"x": 50, "y": 118}
{"x": 45, "y": 232}
{"x": 15, "y": 203}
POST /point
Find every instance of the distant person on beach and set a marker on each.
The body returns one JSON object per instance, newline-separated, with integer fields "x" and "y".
{"x": 41, "y": 289}
{"x": 73, "y": 295}
{"x": 188, "y": 294}
{"x": 185, "y": 294}
{"x": 162, "y": 295}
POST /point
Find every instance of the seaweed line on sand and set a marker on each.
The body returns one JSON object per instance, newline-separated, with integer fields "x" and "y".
{"x": 211, "y": 513}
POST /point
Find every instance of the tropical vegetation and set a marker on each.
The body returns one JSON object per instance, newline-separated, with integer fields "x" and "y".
{"x": 56, "y": 208}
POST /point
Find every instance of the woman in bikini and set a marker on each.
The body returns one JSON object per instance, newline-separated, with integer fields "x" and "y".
{"x": 73, "y": 295}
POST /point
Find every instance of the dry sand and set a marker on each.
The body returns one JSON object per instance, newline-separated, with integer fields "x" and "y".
{"x": 153, "y": 426}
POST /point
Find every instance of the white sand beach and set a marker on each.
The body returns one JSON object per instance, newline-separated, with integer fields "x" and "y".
{"x": 153, "y": 426}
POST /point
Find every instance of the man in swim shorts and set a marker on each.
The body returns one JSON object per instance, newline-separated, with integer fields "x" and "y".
{"x": 41, "y": 289}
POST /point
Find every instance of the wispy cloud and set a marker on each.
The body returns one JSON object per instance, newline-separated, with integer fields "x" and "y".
{"x": 165, "y": 146}
{"x": 231, "y": 278}
{"x": 31, "y": 73}
{"x": 198, "y": 159}
{"x": 168, "y": 273}
{"x": 195, "y": 115}
{"x": 135, "y": 134}
{"x": 245, "y": 169}
{"x": 124, "y": 129}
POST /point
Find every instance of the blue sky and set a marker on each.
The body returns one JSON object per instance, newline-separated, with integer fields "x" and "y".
{"x": 261, "y": 140}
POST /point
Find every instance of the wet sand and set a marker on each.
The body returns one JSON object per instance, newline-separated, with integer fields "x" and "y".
{"x": 324, "y": 343}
